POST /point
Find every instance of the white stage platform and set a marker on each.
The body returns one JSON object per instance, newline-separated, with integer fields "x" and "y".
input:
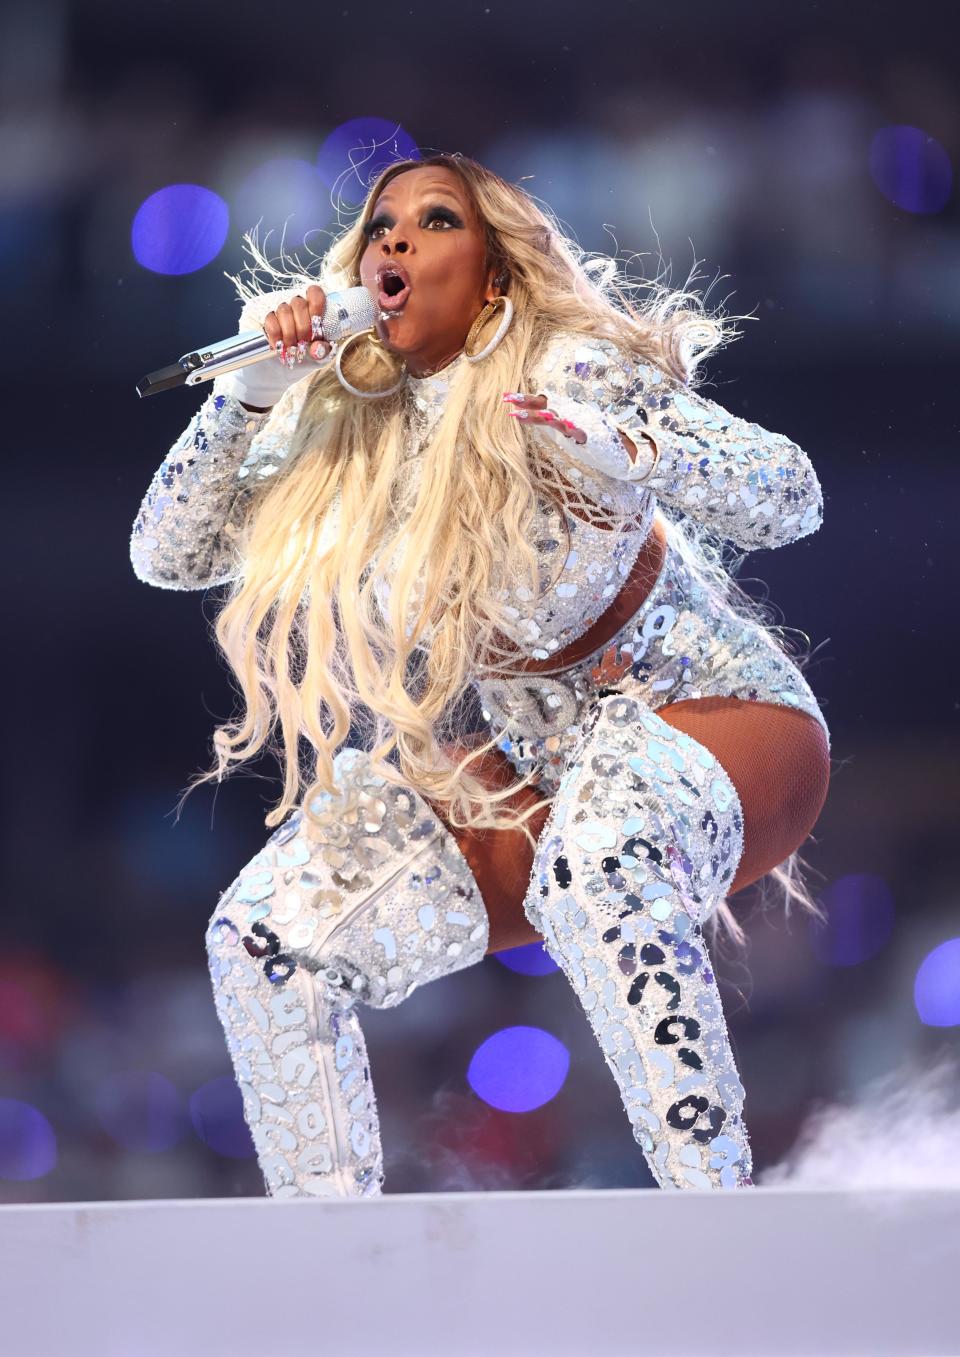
{"x": 752, "y": 1274}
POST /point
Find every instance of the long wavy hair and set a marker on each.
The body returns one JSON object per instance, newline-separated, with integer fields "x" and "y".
{"x": 303, "y": 626}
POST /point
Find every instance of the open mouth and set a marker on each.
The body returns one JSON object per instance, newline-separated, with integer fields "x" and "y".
{"x": 394, "y": 289}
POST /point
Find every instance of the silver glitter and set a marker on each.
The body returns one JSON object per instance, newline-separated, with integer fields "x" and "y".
{"x": 752, "y": 486}
{"x": 287, "y": 974}
{"x": 645, "y": 830}
{"x": 647, "y": 816}
{"x": 681, "y": 643}
{"x": 184, "y": 536}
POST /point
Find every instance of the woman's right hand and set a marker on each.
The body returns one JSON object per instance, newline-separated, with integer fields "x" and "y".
{"x": 290, "y": 328}
{"x": 258, "y": 386}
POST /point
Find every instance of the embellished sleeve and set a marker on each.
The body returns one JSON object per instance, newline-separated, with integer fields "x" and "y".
{"x": 754, "y": 487}
{"x": 185, "y": 534}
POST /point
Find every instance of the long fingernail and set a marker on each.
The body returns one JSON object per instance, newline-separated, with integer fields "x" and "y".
{"x": 513, "y": 396}
{"x": 519, "y": 414}
{"x": 301, "y": 350}
{"x": 279, "y": 349}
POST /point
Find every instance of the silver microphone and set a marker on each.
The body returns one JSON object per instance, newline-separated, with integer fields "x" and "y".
{"x": 344, "y": 313}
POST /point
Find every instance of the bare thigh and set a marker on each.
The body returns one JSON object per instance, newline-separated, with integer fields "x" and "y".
{"x": 776, "y": 756}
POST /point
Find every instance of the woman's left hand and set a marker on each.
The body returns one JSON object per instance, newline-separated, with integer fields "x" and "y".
{"x": 533, "y": 410}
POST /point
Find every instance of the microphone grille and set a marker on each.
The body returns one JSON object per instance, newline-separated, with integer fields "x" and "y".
{"x": 347, "y": 312}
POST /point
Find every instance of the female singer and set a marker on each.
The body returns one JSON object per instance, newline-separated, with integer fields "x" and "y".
{"x": 509, "y": 485}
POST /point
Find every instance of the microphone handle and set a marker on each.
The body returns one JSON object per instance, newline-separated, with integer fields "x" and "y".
{"x": 345, "y": 313}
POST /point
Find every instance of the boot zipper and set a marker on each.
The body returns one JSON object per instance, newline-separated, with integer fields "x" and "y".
{"x": 336, "y": 1131}
{"x": 332, "y": 1108}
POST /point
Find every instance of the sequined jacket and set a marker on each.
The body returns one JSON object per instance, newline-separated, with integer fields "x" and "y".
{"x": 753, "y": 487}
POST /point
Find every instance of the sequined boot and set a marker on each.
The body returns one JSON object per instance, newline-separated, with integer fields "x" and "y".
{"x": 642, "y": 843}
{"x": 365, "y": 908}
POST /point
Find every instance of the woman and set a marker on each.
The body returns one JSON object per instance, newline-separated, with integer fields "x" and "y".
{"x": 467, "y": 495}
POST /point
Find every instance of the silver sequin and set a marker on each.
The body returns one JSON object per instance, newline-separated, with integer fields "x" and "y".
{"x": 752, "y": 486}
{"x": 185, "y": 534}
{"x": 645, "y": 830}
{"x": 681, "y": 643}
{"x": 364, "y": 906}
{"x": 641, "y": 844}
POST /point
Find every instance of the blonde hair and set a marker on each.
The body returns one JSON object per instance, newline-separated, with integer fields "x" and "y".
{"x": 302, "y": 625}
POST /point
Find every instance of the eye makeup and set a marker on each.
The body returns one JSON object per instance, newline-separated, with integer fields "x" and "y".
{"x": 384, "y": 219}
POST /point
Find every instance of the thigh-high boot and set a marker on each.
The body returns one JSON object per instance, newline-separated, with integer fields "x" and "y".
{"x": 365, "y": 908}
{"x": 642, "y": 842}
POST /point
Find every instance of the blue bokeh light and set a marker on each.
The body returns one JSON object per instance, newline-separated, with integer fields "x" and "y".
{"x": 288, "y": 195}
{"x": 519, "y": 1068}
{"x": 530, "y": 959}
{"x": 28, "y": 1146}
{"x": 936, "y": 990}
{"x": 216, "y": 1110}
{"x": 860, "y": 913}
{"x": 355, "y": 153}
{"x": 141, "y": 1110}
{"x": 910, "y": 168}
{"x": 179, "y": 229}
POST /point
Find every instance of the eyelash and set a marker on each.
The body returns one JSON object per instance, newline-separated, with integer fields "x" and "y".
{"x": 443, "y": 212}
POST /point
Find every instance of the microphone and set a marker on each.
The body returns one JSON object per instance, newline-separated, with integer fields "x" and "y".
{"x": 345, "y": 313}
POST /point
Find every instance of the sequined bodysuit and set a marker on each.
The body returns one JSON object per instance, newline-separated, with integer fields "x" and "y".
{"x": 755, "y": 487}
{"x": 645, "y": 830}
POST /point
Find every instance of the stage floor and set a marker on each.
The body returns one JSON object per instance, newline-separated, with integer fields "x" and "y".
{"x": 752, "y": 1274}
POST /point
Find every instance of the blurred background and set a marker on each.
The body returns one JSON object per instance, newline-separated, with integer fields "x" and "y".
{"x": 805, "y": 156}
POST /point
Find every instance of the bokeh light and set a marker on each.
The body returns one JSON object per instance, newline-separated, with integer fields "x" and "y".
{"x": 287, "y": 195}
{"x": 860, "y": 913}
{"x": 36, "y": 1002}
{"x": 216, "y": 1110}
{"x": 179, "y": 229}
{"x": 530, "y": 959}
{"x": 141, "y": 1110}
{"x": 519, "y": 1068}
{"x": 22, "y": 1020}
{"x": 28, "y": 1146}
{"x": 936, "y": 990}
{"x": 910, "y": 168}
{"x": 355, "y": 152}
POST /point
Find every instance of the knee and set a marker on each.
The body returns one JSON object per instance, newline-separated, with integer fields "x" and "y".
{"x": 370, "y": 890}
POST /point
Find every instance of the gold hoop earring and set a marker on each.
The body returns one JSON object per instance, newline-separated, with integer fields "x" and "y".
{"x": 488, "y": 312}
{"x": 341, "y": 349}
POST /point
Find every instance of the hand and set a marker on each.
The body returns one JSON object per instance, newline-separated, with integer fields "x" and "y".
{"x": 290, "y": 328}
{"x": 533, "y": 410}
